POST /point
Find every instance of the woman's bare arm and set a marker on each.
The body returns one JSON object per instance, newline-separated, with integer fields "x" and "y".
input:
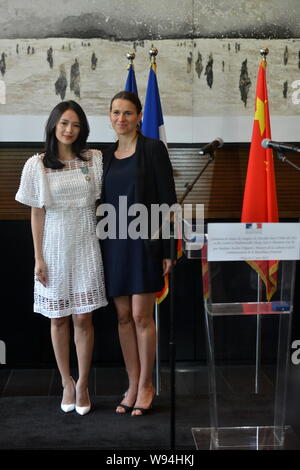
{"x": 37, "y": 228}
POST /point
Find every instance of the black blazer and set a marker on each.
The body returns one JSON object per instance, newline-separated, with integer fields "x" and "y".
{"x": 154, "y": 182}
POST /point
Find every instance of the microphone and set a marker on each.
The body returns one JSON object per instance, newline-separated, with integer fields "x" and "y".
{"x": 269, "y": 144}
{"x": 212, "y": 146}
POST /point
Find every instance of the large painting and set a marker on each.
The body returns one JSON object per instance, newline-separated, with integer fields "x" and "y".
{"x": 207, "y": 64}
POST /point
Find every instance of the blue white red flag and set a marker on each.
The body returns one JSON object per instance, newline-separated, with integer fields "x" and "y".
{"x": 153, "y": 127}
{"x": 130, "y": 84}
{"x": 153, "y": 122}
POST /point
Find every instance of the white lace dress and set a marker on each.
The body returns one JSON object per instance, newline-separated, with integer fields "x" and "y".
{"x": 75, "y": 279}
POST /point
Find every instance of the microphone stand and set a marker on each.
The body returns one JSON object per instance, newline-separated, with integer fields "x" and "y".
{"x": 283, "y": 158}
{"x": 188, "y": 186}
{"x": 172, "y": 344}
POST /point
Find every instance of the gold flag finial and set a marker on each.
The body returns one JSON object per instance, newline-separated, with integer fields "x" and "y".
{"x": 130, "y": 56}
{"x": 264, "y": 51}
{"x": 153, "y": 53}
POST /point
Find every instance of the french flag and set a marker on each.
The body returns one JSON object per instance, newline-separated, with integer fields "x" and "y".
{"x": 153, "y": 122}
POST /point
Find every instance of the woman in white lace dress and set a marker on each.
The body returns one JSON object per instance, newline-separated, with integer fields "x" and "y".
{"x": 61, "y": 186}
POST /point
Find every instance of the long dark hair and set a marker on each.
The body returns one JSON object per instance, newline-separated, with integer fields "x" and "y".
{"x": 128, "y": 96}
{"x": 51, "y": 148}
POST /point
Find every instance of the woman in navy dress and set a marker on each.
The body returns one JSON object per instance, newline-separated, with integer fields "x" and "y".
{"x": 136, "y": 170}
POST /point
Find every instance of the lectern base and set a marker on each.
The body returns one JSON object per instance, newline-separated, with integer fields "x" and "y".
{"x": 247, "y": 438}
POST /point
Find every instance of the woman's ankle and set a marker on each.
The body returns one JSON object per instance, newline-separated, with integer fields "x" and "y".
{"x": 67, "y": 380}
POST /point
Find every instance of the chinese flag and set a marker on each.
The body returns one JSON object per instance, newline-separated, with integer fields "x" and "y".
{"x": 260, "y": 201}
{"x": 160, "y": 296}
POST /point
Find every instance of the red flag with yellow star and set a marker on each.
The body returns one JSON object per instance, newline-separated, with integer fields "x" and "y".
{"x": 260, "y": 201}
{"x": 160, "y": 296}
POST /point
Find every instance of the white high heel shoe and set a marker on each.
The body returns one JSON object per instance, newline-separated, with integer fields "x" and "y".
{"x": 71, "y": 406}
{"x": 67, "y": 408}
{"x": 83, "y": 410}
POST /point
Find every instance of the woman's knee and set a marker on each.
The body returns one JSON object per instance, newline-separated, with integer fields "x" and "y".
{"x": 143, "y": 306}
{"x": 124, "y": 309}
{"x": 124, "y": 316}
{"x": 142, "y": 319}
{"x": 83, "y": 321}
{"x": 59, "y": 323}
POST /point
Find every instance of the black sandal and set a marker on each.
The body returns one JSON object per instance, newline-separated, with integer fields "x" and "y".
{"x": 142, "y": 410}
{"x": 126, "y": 408}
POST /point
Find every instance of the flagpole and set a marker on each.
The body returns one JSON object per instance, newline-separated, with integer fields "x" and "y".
{"x": 172, "y": 344}
{"x": 258, "y": 340}
{"x": 157, "y": 350}
{"x": 264, "y": 51}
{"x": 153, "y": 127}
{"x": 152, "y": 54}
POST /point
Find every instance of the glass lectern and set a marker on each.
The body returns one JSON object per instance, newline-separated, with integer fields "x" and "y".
{"x": 248, "y": 354}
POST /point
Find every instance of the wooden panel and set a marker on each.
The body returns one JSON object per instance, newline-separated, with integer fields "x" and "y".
{"x": 11, "y": 163}
{"x": 220, "y": 187}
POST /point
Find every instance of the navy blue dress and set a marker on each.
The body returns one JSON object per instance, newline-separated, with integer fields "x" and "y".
{"x": 128, "y": 266}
